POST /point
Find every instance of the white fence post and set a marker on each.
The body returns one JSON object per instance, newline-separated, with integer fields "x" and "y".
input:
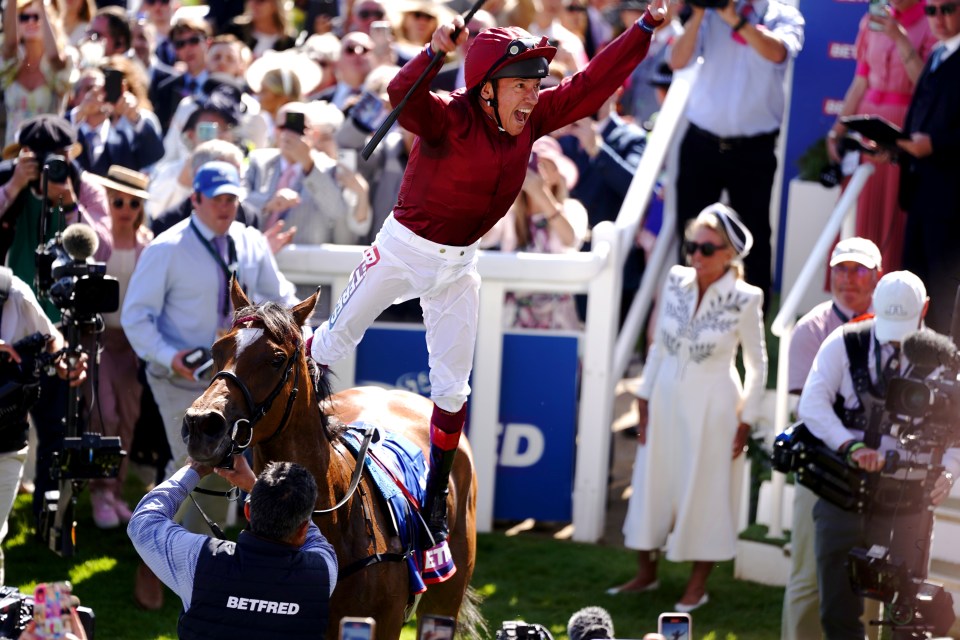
{"x": 596, "y": 390}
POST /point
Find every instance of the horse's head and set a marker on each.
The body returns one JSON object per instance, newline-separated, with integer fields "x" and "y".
{"x": 261, "y": 365}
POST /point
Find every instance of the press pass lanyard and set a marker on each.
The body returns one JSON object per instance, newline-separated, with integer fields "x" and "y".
{"x": 228, "y": 270}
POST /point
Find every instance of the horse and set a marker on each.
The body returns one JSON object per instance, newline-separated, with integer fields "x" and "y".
{"x": 263, "y": 358}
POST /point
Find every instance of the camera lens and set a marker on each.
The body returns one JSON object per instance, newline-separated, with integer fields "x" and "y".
{"x": 56, "y": 168}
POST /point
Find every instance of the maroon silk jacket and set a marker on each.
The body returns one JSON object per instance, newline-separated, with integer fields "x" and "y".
{"x": 463, "y": 173}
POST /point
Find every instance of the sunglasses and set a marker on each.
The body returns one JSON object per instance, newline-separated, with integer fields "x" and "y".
{"x": 854, "y": 270}
{"x": 420, "y": 15}
{"x": 367, "y": 14}
{"x": 706, "y": 249}
{"x": 28, "y": 17}
{"x": 575, "y": 8}
{"x": 192, "y": 41}
{"x": 119, "y": 203}
{"x": 946, "y": 9}
{"x": 153, "y": 2}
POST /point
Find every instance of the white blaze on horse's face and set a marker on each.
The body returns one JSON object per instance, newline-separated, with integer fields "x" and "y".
{"x": 246, "y": 337}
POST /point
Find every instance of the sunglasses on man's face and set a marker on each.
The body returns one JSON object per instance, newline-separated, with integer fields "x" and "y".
{"x": 28, "y": 17}
{"x": 134, "y": 203}
{"x": 368, "y": 14}
{"x": 706, "y": 249}
{"x": 355, "y": 49}
{"x": 153, "y": 2}
{"x": 946, "y": 9}
{"x": 191, "y": 41}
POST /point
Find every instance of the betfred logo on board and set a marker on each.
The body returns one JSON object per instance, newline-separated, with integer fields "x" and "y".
{"x": 842, "y": 51}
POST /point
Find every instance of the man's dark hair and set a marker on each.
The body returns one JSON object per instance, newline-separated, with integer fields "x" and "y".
{"x": 590, "y": 623}
{"x": 282, "y": 499}
{"x": 118, "y": 24}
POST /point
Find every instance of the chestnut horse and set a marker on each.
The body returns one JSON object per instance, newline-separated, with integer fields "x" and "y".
{"x": 268, "y": 386}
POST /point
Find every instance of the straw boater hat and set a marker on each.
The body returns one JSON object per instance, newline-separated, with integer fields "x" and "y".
{"x": 124, "y": 180}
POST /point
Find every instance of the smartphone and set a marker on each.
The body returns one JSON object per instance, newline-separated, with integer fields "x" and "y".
{"x": 295, "y": 122}
{"x": 196, "y": 357}
{"x": 381, "y": 31}
{"x": 357, "y": 628}
{"x": 51, "y": 600}
{"x": 877, "y": 8}
{"x": 436, "y": 628}
{"x": 369, "y": 111}
{"x": 675, "y": 626}
{"x": 207, "y": 131}
{"x": 347, "y": 158}
{"x": 112, "y": 84}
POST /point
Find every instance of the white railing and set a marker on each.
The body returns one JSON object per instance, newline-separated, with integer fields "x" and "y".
{"x": 786, "y": 318}
{"x": 597, "y": 273}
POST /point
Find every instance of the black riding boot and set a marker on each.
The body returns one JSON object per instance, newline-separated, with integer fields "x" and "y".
{"x": 435, "y": 503}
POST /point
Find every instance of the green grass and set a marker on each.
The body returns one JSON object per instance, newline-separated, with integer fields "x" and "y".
{"x": 530, "y": 576}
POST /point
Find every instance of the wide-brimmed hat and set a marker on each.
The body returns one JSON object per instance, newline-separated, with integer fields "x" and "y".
{"x": 297, "y": 63}
{"x": 124, "y": 180}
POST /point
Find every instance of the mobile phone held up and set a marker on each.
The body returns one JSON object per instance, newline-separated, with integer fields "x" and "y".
{"x": 357, "y": 628}
{"x": 112, "y": 84}
{"x": 436, "y": 627}
{"x": 675, "y": 626}
{"x": 877, "y": 8}
{"x": 295, "y": 121}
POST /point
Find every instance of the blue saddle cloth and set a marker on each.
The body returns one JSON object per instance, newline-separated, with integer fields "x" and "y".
{"x": 399, "y": 470}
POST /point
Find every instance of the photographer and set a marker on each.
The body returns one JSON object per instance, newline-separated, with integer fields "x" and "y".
{"x": 900, "y": 303}
{"x": 735, "y": 112}
{"x": 22, "y": 316}
{"x": 275, "y": 581}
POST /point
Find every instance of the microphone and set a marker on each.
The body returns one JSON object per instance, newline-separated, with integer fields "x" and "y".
{"x": 931, "y": 349}
{"x": 80, "y": 241}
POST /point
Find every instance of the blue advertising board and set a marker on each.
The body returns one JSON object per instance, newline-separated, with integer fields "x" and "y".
{"x": 538, "y": 412}
{"x": 821, "y": 74}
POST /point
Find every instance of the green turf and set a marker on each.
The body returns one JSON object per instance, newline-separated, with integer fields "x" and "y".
{"x": 530, "y": 576}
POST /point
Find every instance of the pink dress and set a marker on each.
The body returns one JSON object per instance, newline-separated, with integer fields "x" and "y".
{"x": 888, "y": 93}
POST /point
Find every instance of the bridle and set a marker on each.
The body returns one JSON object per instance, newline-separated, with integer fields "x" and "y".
{"x": 257, "y": 411}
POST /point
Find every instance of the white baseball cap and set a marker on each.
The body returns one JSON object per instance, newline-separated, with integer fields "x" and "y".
{"x": 898, "y": 303}
{"x": 859, "y": 250}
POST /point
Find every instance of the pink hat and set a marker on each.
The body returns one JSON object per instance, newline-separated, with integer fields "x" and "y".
{"x": 549, "y": 149}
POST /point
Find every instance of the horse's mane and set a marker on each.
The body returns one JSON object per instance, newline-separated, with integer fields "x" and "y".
{"x": 282, "y": 327}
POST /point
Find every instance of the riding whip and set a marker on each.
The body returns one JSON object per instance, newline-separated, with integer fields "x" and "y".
{"x": 437, "y": 57}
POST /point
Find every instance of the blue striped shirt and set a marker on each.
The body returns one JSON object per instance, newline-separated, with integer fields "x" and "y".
{"x": 738, "y": 91}
{"x": 171, "y": 551}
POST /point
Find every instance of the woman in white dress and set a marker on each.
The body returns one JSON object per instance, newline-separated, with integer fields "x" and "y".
{"x": 693, "y": 408}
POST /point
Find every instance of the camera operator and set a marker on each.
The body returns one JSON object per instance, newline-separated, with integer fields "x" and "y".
{"x": 275, "y": 581}
{"x": 900, "y": 303}
{"x": 21, "y": 316}
{"x": 72, "y": 196}
{"x": 735, "y": 113}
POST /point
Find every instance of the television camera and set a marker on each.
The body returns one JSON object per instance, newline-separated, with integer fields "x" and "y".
{"x": 923, "y": 414}
{"x": 80, "y": 288}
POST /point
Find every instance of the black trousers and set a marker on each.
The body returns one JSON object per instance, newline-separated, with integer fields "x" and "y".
{"x": 745, "y": 168}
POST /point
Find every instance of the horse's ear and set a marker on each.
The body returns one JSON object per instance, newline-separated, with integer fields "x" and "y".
{"x": 237, "y": 295}
{"x": 303, "y": 310}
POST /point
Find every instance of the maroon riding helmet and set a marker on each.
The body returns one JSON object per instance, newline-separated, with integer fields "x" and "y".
{"x": 506, "y": 52}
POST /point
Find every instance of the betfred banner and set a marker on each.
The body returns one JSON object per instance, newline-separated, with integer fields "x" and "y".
{"x": 538, "y": 412}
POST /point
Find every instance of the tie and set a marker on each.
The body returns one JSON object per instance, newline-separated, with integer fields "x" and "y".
{"x": 220, "y": 242}
{"x": 936, "y": 58}
{"x": 288, "y": 180}
{"x": 90, "y": 138}
{"x": 189, "y": 86}
{"x": 745, "y": 12}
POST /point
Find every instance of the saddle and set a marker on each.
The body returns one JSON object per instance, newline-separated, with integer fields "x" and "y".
{"x": 398, "y": 469}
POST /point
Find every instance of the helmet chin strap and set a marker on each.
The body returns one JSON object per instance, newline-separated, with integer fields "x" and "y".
{"x": 492, "y": 102}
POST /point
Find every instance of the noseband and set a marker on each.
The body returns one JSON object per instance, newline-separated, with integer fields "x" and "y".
{"x": 257, "y": 411}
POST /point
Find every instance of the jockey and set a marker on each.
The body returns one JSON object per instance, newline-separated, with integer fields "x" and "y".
{"x": 465, "y": 169}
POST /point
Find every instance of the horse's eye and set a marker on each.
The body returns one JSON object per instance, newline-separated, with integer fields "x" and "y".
{"x": 278, "y": 359}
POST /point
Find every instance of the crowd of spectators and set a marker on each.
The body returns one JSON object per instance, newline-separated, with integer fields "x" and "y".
{"x": 277, "y": 98}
